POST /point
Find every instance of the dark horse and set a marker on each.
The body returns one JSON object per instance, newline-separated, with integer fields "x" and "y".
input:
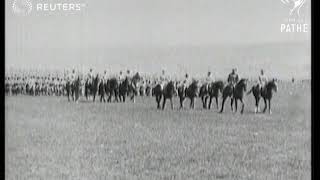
{"x": 191, "y": 92}
{"x": 211, "y": 91}
{"x": 266, "y": 93}
{"x": 102, "y": 90}
{"x": 112, "y": 89}
{"x": 73, "y": 89}
{"x": 91, "y": 88}
{"x": 168, "y": 93}
{"x": 68, "y": 89}
{"x": 126, "y": 88}
{"x": 157, "y": 92}
{"x": 235, "y": 94}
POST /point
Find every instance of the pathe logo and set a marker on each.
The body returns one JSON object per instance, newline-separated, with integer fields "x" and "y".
{"x": 295, "y": 22}
{"x": 21, "y": 7}
{"x": 294, "y": 5}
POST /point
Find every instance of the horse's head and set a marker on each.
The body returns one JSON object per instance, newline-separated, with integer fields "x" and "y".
{"x": 243, "y": 84}
{"x": 194, "y": 88}
{"x": 170, "y": 88}
{"x": 220, "y": 85}
{"x": 273, "y": 85}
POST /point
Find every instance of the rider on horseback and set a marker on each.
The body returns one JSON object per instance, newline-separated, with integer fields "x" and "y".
{"x": 163, "y": 79}
{"x": 105, "y": 76}
{"x": 186, "y": 82}
{"x": 209, "y": 79}
{"x": 262, "y": 80}
{"x": 90, "y": 76}
{"x": 121, "y": 77}
{"x": 72, "y": 76}
{"x": 233, "y": 78}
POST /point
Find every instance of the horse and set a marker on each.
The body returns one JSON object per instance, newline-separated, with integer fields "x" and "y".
{"x": 191, "y": 92}
{"x": 266, "y": 93}
{"x": 235, "y": 94}
{"x": 148, "y": 90}
{"x": 168, "y": 93}
{"x": 157, "y": 92}
{"x": 75, "y": 89}
{"x": 101, "y": 91}
{"x": 124, "y": 89}
{"x": 133, "y": 87}
{"x": 112, "y": 88}
{"x": 204, "y": 95}
{"x": 142, "y": 90}
{"x": 91, "y": 88}
{"x": 213, "y": 91}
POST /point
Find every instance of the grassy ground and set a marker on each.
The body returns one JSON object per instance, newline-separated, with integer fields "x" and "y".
{"x": 49, "y": 138}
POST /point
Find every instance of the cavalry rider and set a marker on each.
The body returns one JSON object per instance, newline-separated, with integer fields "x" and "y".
{"x": 128, "y": 75}
{"x": 209, "y": 79}
{"x": 72, "y": 76}
{"x": 163, "y": 79}
{"x": 233, "y": 78}
{"x": 105, "y": 76}
{"x": 90, "y": 76}
{"x": 186, "y": 81}
{"x": 263, "y": 79}
{"x": 121, "y": 77}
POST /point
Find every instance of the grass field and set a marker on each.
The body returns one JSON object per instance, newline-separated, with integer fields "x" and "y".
{"x": 49, "y": 138}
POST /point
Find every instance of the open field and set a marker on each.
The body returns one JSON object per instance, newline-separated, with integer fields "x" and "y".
{"x": 49, "y": 138}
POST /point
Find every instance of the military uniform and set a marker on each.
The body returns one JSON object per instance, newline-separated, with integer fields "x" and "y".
{"x": 262, "y": 81}
{"x": 233, "y": 79}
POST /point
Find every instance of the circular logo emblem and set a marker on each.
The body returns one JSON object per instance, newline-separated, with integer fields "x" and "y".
{"x": 21, "y": 7}
{"x": 294, "y": 5}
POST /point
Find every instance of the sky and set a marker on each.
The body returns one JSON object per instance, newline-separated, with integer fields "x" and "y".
{"x": 134, "y": 28}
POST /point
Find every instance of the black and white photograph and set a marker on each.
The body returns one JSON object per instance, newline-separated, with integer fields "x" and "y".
{"x": 157, "y": 89}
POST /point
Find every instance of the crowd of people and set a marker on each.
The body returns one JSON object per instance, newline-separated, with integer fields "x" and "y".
{"x": 54, "y": 84}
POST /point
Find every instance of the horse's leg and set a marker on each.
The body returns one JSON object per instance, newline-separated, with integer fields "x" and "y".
{"x": 236, "y": 104}
{"x": 181, "y": 102}
{"x": 116, "y": 96}
{"x": 232, "y": 103}
{"x": 269, "y": 100}
{"x": 68, "y": 95}
{"x": 158, "y": 102}
{"x": 72, "y": 94}
{"x": 109, "y": 97}
{"x": 78, "y": 95}
{"x": 164, "y": 103}
{"x": 265, "y": 105}
{"x": 256, "y": 109}
{"x": 133, "y": 99}
{"x": 210, "y": 101}
{"x": 242, "y": 105}
{"x": 171, "y": 103}
{"x": 86, "y": 93}
{"x": 222, "y": 105}
{"x": 202, "y": 99}
{"x": 206, "y": 101}
{"x": 193, "y": 99}
{"x": 217, "y": 102}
